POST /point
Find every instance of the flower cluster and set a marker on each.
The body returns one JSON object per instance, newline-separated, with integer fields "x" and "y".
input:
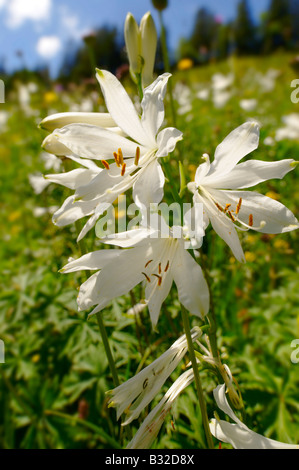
{"x": 122, "y": 150}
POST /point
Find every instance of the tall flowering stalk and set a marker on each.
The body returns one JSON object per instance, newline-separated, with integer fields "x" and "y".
{"x": 121, "y": 150}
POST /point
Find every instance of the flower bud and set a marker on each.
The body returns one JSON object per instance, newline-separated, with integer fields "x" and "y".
{"x": 141, "y": 44}
{"x": 149, "y": 40}
{"x": 160, "y": 4}
{"x": 132, "y": 40}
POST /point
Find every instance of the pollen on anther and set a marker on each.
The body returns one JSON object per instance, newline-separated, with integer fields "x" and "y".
{"x": 160, "y": 269}
{"x": 146, "y": 277}
{"x": 166, "y": 267}
{"x": 137, "y": 156}
{"x": 218, "y": 206}
{"x": 231, "y": 216}
{"x": 238, "y": 206}
{"x": 120, "y": 156}
{"x": 250, "y": 222}
{"x": 123, "y": 169}
{"x": 115, "y": 155}
{"x": 106, "y": 164}
{"x": 227, "y": 207}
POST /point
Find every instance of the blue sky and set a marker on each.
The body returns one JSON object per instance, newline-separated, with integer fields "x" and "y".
{"x": 41, "y": 29}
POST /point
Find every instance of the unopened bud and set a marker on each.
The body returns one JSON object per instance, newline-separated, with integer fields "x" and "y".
{"x": 160, "y": 4}
{"x": 141, "y": 45}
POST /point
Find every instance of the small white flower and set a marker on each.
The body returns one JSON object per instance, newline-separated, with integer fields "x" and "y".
{"x": 136, "y": 393}
{"x": 155, "y": 257}
{"x": 150, "y": 427}
{"x": 238, "y": 434}
{"x": 291, "y": 129}
{"x": 248, "y": 104}
{"x": 227, "y": 209}
{"x": 135, "y": 161}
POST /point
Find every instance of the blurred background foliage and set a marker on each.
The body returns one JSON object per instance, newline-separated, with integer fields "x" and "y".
{"x": 53, "y": 382}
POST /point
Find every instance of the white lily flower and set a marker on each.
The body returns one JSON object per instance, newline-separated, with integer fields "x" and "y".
{"x": 136, "y": 160}
{"x": 150, "y": 427}
{"x": 136, "y": 393}
{"x": 238, "y": 434}
{"x": 155, "y": 257}
{"x": 228, "y": 209}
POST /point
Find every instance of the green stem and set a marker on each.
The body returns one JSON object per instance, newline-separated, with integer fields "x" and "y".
{"x": 107, "y": 349}
{"x": 200, "y": 394}
{"x": 167, "y": 65}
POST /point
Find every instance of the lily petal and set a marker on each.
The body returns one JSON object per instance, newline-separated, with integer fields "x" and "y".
{"x": 153, "y": 106}
{"x": 234, "y": 147}
{"x": 121, "y": 107}
{"x": 94, "y": 260}
{"x": 269, "y": 216}
{"x": 58, "y": 120}
{"x": 148, "y": 188}
{"x": 249, "y": 173}
{"x": 72, "y": 179}
{"x": 94, "y": 142}
{"x": 192, "y": 288}
{"x": 166, "y": 141}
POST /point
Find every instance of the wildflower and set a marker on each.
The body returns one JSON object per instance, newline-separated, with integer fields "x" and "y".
{"x": 136, "y": 393}
{"x": 225, "y": 208}
{"x": 85, "y": 142}
{"x": 238, "y": 434}
{"x": 141, "y": 44}
{"x": 156, "y": 256}
{"x": 150, "y": 427}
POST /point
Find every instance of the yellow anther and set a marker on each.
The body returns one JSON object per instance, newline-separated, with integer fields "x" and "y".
{"x": 167, "y": 266}
{"x": 120, "y": 156}
{"x": 160, "y": 270}
{"x": 106, "y": 164}
{"x": 115, "y": 155}
{"x": 137, "y": 156}
{"x": 250, "y": 222}
{"x": 123, "y": 169}
{"x": 238, "y": 206}
{"x": 227, "y": 207}
{"x": 231, "y": 216}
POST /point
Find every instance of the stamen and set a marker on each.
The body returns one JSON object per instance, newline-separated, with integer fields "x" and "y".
{"x": 166, "y": 267}
{"x": 159, "y": 278}
{"x": 106, "y": 164}
{"x": 227, "y": 207}
{"x": 160, "y": 270}
{"x": 148, "y": 263}
{"x": 137, "y": 156}
{"x": 115, "y": 155}
{"x": 238, "y": 206}
{"x": 218, "y": 206}
{"x": 120, "y": 156}
{"x": 123, "y": 169}
{"x": 146, "y": 277}
{"x": 231, "y": 216}
{"x": 250, "y": 222}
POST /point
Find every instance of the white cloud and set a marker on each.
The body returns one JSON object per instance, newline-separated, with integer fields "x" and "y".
{"x": 48, "y": 46}
{"x": 19, "y": 11}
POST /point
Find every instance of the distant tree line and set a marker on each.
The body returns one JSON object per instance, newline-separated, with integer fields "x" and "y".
{"x": 278, "y": 28}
